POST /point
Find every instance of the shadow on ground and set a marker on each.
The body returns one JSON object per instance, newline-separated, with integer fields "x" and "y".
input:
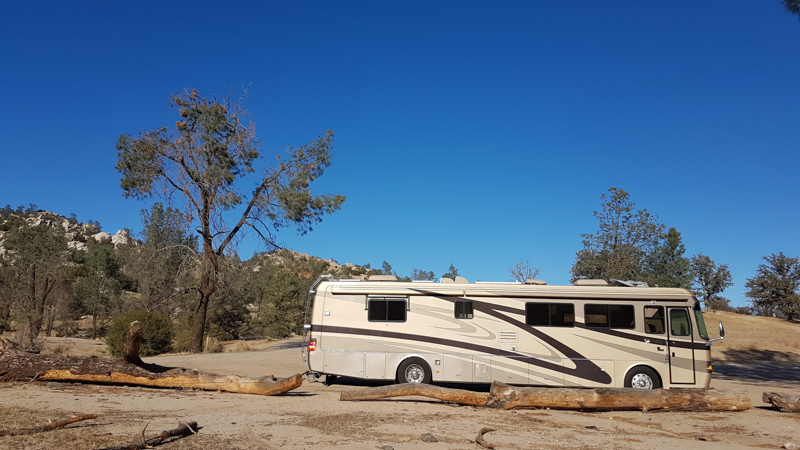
{"x": 346, "y": 381}
{"x": 287, "y": 344}
{"x": 768, "y": 373}
{"x": 760, "y": 355}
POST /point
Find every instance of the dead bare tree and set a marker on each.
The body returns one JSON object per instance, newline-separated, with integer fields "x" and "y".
{"x": 524, "y": 271}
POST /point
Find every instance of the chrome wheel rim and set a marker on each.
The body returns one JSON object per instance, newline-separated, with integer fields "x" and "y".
{"x": 414, "y": 373}
{"x": 641, "y": 381}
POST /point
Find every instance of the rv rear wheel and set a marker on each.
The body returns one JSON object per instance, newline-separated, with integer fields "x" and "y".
{"x": 414, "y": 370}
{"x": 642, "y": 378}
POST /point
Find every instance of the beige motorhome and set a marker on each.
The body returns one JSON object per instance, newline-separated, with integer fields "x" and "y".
{"x": 589, "y": 334}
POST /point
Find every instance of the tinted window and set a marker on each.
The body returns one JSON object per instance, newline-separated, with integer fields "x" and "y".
{"x": 654, "y": 320}
{"x": 679, "y": 322}
{"x": 463, "y": 309}
{"x": 701, "y": 324}
{"x": 537, "y": 314}
{"x": 550, "y": 314}
{"x": 596, "y": 315}
{"x": 621, "y": 316}
{"x": 609, "y": 316}
{"x": 387, "y": 310}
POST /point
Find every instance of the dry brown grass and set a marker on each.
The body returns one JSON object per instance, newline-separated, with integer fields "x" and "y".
{"x": 754, "y": 338}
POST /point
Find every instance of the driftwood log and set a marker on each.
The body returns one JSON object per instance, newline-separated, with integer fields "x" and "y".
{"x": 503, "y": 396}
{"x": 784, "y": 402}
{"x": 49, "y": 427}
{"x": 460, "y": 396}
{"x": 20, "y": 366}
{"x": 185, "y": 429}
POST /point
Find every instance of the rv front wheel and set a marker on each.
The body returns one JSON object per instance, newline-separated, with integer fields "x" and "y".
{"x": 414, "y": 370}
{"x": 642, "y": 378}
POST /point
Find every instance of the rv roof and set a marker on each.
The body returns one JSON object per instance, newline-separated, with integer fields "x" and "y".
{"x": 382, "y": 278}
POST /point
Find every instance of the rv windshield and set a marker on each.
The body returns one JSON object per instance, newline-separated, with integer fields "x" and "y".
{"x": 701, "y": 324}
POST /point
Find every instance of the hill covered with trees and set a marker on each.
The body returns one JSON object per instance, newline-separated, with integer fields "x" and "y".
{"x": 55, "y": 270}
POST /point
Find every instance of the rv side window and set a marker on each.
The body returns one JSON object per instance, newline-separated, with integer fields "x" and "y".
{"x": 609, "y": 316}
{"x": 654, "y": 320}
{"x": 550, "y": 314}
{"x": 464, "y": 309}
{"x": 386, "y": 310}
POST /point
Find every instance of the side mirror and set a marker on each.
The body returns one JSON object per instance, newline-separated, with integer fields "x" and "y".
{"x": 721, "y": 335}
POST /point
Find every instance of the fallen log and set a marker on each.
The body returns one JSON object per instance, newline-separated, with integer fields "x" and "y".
{"x": 784, "y": 402}
{"x": 503, "y": 396}
{"x": 49, "y": 427}
{"x": 185, "y": 429}
{"x": 19, "y": 366}
{"x": 460, "y": 396}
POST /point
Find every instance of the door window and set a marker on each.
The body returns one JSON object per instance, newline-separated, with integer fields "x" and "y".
{"x": 679, "y": 322}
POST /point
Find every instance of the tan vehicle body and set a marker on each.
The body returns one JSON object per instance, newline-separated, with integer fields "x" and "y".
{"x": 480, "y": 332}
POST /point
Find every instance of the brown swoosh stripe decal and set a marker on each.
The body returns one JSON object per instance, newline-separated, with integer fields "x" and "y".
{"x": 583, "y": 368}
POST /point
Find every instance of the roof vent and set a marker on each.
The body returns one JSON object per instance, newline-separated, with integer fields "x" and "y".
{"x": 446, "y": 280}
{"x": 629, "y": 283}
{"x": 589, "y": 282}
{"x": 461, "y": 280}
{"x": 382, "y": 278}
{"x": 536, "y": 282}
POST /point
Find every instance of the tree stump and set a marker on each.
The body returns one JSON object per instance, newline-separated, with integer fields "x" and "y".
{"x": 784, "y": 402}
{"x": 132, "y": 343}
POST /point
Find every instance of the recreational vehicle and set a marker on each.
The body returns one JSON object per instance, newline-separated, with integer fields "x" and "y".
{"x": 589, "y": 334}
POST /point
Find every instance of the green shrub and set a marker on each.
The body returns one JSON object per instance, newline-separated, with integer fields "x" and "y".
{"x": 156, "y": 333}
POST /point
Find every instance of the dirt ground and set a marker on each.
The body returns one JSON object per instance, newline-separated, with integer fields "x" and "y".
{"x": 312, "y": 417}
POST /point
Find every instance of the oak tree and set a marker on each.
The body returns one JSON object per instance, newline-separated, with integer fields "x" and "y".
{"x": 203, "y": 160}
{"x": 710, "y": 281}
{"x": 775, "y": 290}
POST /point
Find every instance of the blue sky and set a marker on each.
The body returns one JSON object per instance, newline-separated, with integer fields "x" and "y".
{"x": 472, "y": 133}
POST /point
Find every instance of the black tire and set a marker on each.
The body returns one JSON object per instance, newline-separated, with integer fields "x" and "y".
{"x": 414, "y": 370}
{"x": 642, "y": 377}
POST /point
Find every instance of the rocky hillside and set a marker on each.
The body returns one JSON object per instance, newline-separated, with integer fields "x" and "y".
{"x": 77, "y": 233}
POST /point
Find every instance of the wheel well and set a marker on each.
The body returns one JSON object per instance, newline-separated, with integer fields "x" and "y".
{"x": 642, "y": 366}
{"x": 413, "y": 358}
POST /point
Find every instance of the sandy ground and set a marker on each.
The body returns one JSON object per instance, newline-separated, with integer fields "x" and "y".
{"x": 312, "y": 417}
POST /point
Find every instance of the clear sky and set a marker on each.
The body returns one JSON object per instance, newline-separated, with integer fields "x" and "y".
{"x": 472, "y": 133}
